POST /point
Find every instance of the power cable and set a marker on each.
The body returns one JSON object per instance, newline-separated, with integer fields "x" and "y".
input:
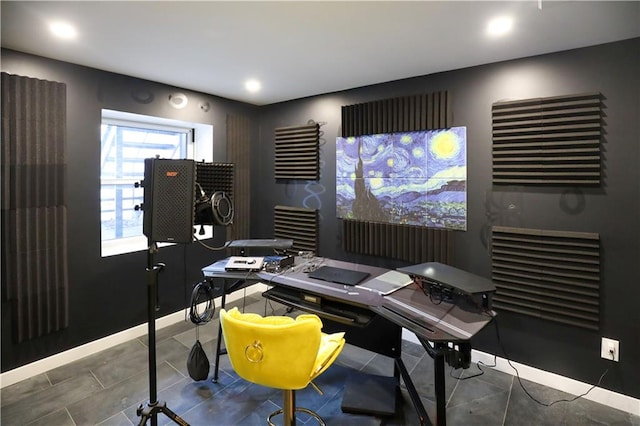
{"x": 504, "y": 351}
{"x": 545, "y": 404}
{"x": 202, "y": 293}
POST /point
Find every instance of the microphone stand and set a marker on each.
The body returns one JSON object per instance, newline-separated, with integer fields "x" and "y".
{"x": 154, "y": 406}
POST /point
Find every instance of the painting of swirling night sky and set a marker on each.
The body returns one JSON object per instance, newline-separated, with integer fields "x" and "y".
{"x": 414, "y": 178}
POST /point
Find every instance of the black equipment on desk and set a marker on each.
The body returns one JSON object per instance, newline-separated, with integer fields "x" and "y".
{"x": 277, "y": 263}
{"x": 275, "y": 245}
{"x": 338, "y": 275}
{"x": 244, "y": 264}
{"x": 446, "y": 283}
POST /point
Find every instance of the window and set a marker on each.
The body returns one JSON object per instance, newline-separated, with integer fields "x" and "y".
{"x": 126, "y": 140}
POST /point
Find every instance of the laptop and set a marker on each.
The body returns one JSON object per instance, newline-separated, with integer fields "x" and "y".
{"x": 338, "y": 275}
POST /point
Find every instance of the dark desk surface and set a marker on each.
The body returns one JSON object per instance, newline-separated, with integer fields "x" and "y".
{"x": 413, "y": 310}
{"x": 297, "y": 278}
{"x": 408, "y": 307}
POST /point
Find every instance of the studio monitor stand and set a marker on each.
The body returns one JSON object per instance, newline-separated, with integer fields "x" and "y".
{"x": 153, "y": 407}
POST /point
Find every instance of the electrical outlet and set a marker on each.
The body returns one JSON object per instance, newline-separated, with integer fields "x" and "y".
{"x": 610, "y": 349}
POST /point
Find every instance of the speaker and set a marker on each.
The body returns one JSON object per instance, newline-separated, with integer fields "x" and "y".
{"x": 169, "y": 199}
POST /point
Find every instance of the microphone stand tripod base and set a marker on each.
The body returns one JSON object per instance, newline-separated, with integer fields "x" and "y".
{"x": 151, "y": 409}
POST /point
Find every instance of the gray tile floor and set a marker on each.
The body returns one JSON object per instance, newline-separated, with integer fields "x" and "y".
{"x": 106, "y": 388}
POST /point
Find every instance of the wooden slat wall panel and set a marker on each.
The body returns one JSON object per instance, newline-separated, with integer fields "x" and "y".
{"x": 418, "y": 244}
{"x": 553, "y": 275}
{"x": 404, "y": 114}
{"x": 296, "y": 152}
{"x": 548, "y": 140}
{"x": 35, "y": 277}
{"x": 238, "y": 154}
{"x": 298, "y": 224}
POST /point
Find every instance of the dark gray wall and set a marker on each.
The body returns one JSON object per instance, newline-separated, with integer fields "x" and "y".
{"x": 107, "y": 295}
{"x": 611, "y": 210}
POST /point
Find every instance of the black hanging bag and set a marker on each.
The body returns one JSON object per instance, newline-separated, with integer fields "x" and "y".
{"x": 198, "y": 363}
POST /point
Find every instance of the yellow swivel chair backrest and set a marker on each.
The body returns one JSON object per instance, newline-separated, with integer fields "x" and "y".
{"x": 280, "y": 352}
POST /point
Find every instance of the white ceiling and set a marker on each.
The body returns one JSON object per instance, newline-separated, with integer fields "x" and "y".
{"x": 299, "y": 49}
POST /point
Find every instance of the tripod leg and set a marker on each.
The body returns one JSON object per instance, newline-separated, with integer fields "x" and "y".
{"x": 147, "y": 412}
{"x": 143, "y": 420}
{"x": 173, "y": 416}
{"x": 151, "y": 411}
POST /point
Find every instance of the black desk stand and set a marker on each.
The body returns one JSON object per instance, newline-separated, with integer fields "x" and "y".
{"x": 154, "y": 406}
{"x": 223, "y": 298}
{"x": 423, "y": 418}
{"x": 437, "y": 353}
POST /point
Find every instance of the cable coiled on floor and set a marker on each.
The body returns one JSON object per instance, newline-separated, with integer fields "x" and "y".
{"x": 202, "y": 292}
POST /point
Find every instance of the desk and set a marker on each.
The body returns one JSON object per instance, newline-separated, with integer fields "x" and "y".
{"x": 231, "y": 281}
{"x": 360, "y": 309}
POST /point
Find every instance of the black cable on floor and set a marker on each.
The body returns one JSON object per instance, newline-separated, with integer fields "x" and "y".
{"x": 545, "y": 404}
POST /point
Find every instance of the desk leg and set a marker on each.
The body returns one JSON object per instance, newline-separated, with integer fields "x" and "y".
{"x": 413, "y": 393}
{"x": 437, "y": 353}
{"x": 438, "y": 370}
{"x": 219, "y": 342}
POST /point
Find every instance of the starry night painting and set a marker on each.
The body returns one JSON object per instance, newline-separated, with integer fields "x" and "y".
{"x": 413, "y": 178}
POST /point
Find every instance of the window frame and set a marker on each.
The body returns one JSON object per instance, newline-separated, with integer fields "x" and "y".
{"x": 199, "y": 144}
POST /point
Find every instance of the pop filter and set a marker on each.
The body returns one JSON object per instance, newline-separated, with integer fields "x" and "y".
{"x": 217, "y": 210}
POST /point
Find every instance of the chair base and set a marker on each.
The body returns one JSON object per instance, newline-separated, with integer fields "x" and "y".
{"x": 289, "y": 409}
{"x": 292, "y": 420}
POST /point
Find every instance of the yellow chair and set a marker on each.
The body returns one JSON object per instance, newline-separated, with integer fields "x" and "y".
{"x": 280, "y": 352}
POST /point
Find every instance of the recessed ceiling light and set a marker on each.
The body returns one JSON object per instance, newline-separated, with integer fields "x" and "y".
{"x": 63, "y": 30}
{"x": 252, "y": 85}
{"x": 499, "y": 26}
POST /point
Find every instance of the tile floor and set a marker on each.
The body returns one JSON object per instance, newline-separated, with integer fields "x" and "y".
{"x": 106, "y": 388}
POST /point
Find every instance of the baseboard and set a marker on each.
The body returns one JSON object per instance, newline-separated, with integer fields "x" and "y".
{"x": 38, "y": 367}
{"x": 552, "y": 380}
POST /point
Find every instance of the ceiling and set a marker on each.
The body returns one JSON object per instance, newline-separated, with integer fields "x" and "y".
{"x": 300, "y": 49}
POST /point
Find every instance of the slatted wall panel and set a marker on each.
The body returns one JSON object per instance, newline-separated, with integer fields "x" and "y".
{"x": 238, "y": 153}
{"x": 415, "y": 244}
{"x": 405, "y": 114}
{"x": 298, "y": 224}
{"x": 553, "y": 275}
{"x": 296, "y": 152}
{"x": 548, "y": 140}
{"x": 35, "y": 276}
